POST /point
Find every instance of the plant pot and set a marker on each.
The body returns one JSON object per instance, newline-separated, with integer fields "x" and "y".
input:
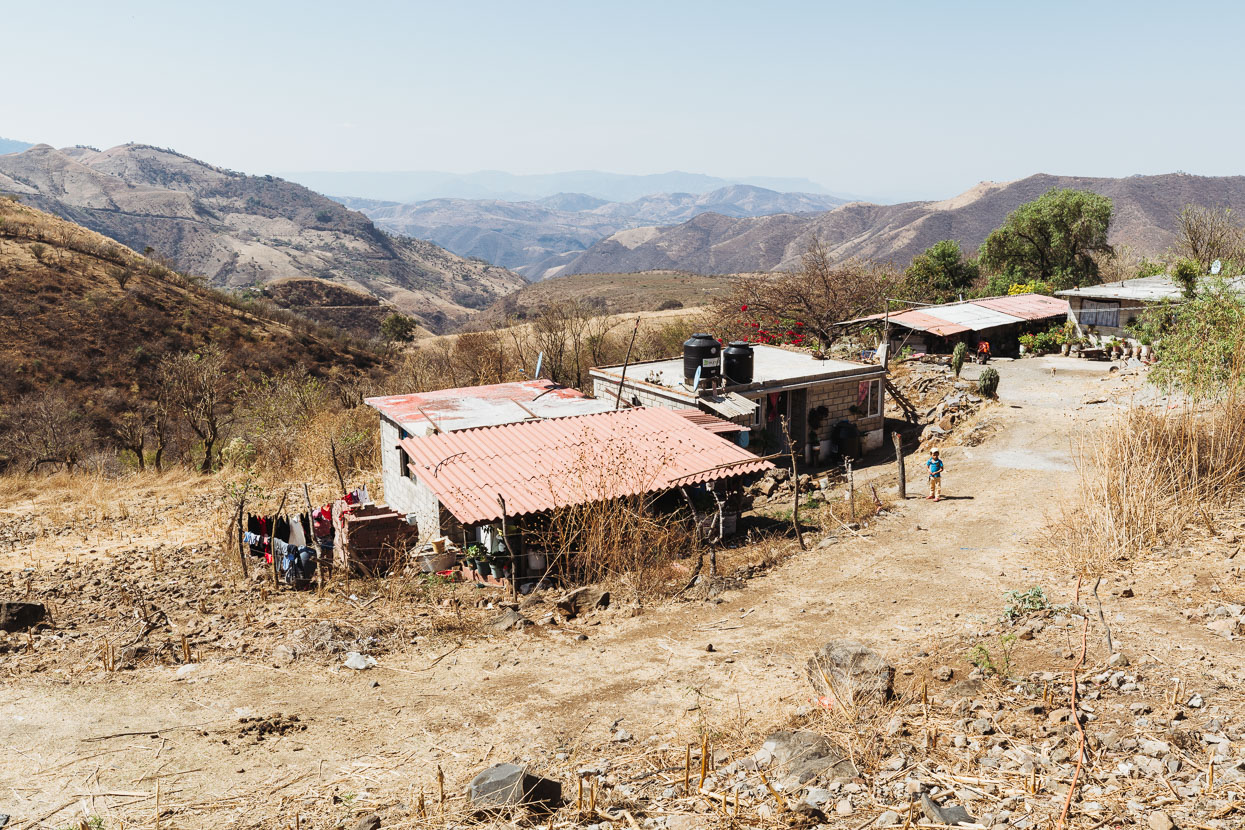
{"x": 482, "y": 569}
{"x": 1065, "y": 349}
{"x": 498, "y": 571}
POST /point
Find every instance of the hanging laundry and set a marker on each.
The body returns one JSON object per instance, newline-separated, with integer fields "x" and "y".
{"x": 298, "y": 535}
{"x": 281, "y": 528}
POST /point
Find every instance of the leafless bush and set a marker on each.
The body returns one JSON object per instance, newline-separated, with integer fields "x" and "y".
{"x": 615, "y": 534}
{"x": 1207, "y": 234}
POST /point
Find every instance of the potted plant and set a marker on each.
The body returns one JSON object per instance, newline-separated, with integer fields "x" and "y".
{"x": 471, "y": 554}
{"x": 496, "y": 563}
{"x": 482, "y": 564}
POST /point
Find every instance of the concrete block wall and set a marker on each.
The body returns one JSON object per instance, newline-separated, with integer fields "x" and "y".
{"x": 839, "y": 396}
{"x": 404, "y": 494}
{"x": 648, "y": 397}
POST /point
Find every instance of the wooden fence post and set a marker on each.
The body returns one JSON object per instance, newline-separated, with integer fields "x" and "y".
{"x": 903, "y": 473}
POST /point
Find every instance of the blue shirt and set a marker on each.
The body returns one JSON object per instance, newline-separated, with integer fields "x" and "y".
{"x": 935, "y": 467}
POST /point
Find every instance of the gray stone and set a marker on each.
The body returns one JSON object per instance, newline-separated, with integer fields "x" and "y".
{"x": 510, "y": 618}
{"x": 371, "y": 821}
{"x": 802, "y": 756}
{"x": 844, "y": 807}
{"x": 1159, "y": 820}
{"x": 944, "y": 673}
{"x": 817, "y": 796}
{"x": 19, "y": 616}
{"x": 509, "y": 785}
{"x": 854, "y": 670}
{"x": 888, "y": 819}
{"x": 950, "y": 814}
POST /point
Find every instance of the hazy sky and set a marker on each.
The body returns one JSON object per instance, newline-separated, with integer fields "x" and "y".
{"x": 890, "y": 99}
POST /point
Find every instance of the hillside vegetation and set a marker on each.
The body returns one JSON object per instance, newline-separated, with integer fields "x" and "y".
{"x": 616, "y": 293}
{"x": 1146, "y": 220}
{"x": 240, "y": 231}
{"x": 86, "y": 323}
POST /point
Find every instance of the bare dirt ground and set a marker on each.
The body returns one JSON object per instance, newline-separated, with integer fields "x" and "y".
{"x": 918, "y": 585}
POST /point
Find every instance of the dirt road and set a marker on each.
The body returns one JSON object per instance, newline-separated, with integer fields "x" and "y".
{"x": 920, "y": 577}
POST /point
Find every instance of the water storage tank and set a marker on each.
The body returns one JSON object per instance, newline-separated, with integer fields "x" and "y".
{"x": 737, "y": 362}
{"x": 703, "y": 352}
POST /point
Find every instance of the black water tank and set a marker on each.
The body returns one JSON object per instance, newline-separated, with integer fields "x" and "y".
{"x": 737, "y": 362}
{"x": 703, "y": 352}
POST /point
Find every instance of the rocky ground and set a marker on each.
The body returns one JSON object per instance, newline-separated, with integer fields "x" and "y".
{"x": 163, "y": 689}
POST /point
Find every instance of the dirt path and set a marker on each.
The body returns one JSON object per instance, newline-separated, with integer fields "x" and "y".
{"x": 928, "y": 572}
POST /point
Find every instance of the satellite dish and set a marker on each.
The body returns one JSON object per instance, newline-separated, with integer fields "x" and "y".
{"x": 1216, "y": 267}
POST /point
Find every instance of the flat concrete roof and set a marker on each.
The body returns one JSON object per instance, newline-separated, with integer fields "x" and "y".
{"x": 772, "y": 368}
{"x": 1145, "y": 289}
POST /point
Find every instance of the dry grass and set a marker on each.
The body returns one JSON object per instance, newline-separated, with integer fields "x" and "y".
{"x": 1147, "y": 476}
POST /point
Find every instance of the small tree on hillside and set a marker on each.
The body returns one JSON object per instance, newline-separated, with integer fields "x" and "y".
{"x": 805, "y": 305}
{"x": 1054, "y": 238}
{"x": 939, "y": 275}
{"x": 1208, "y": 234}
{"x": 197, "y": 387}
{"x": 45, "y": 427}
{"x": 398, "y": 328}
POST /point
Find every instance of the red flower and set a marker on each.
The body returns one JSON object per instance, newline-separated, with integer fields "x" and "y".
{"x": 798, "y": 323}
{"x": 790, "y": 334}
{"x": 743, "y": 307}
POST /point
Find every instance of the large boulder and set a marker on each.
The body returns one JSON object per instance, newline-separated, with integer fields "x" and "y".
{"x": 504, "y": 786}
{"x": 19, "y": 616}
{"x": 856, "y": 673}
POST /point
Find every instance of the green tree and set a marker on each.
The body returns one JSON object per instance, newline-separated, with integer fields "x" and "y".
{"x": 1186, "y": 274}
{"x": 940, "y": 275}
{"x": 1053, "y": 238}
{"x": 1200, "y": 342}
{"x": 398, "y": 328}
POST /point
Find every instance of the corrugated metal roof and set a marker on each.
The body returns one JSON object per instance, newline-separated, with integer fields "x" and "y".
{"x": 710, "y": 422}
{"x": 470, "y": 407}
{"x": 541, "y": 465}
{"x": 728, "y": 404}
{"x": 976, "y": 315}
{"x": 1027, "y": 306}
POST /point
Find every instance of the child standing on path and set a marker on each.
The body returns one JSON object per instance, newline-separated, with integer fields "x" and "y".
{"x": 935, "y": 475}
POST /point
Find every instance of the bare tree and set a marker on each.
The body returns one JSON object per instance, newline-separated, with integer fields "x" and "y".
{"x": 131, "y": 431}
{"x": 814, "y": 298}
{"x": 46, "y": 428}
{"x": 197, "y": 387}
{"x": 1208, "y": 234}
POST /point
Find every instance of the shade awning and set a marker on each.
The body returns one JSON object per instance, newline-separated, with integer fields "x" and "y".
{"x": 728, "y": 405}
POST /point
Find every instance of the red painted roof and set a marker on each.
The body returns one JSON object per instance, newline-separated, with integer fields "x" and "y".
{"x": 1027, "y": 306}
{"x": 477, "y": 406}
{"x": 926, "y": 322}
{"x": 709, "y": 421}
{"x": 541, "y": 465}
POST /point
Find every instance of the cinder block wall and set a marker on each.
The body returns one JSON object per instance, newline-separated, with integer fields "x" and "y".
{"x": 404, "y": 494}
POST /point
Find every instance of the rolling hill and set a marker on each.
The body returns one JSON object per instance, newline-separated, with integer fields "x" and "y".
{"x": 9, "y": 145}
{"x": 89, "y": 320}
{"x": 1146, "y": 209}
{"x": 535, "y": 237}
{"x": 241, "y": 231}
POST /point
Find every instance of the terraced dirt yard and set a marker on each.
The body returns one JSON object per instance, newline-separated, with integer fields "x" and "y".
{"x": 278, "y": 731}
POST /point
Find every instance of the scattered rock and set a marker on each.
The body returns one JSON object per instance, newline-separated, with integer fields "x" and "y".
{"x": 853, "y": 669}
{"x": 888, "y": 819}
{"x": 371, "y": 821}
{"x": 509, "y": 785}
{"x": 802, "y": 756}
{"x": 359, "y": 662}
{"x": 510, "y": 618}
{"x": 844, "y": 807}
{"x": 1117, "y": 660}
{"x": 1159, "y": 820}
{"x": 944, "y": 673}
{"x": 950, "y": 814}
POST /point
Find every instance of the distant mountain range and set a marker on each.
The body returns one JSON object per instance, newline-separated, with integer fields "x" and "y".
{"x": 8, "y": 145}
{"x": 417, "y": 186}
{"x": 537, "y": 237}
{"x": 1146, "y": 210}
{"x": 241, "y": 231}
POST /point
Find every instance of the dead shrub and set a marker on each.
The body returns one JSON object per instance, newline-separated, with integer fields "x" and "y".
{"x": 1148, "y": 475}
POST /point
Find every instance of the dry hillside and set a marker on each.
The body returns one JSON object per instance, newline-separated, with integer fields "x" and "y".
{"x": 617, "y": 293}
{"x": 1146, "y": 208}
{"x": 330, "y": 303}
{"x": 239, "y": 231}
{"x": 91, "y": 319}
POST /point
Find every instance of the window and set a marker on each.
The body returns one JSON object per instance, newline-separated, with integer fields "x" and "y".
{"x": 1099, "y": 313}
{"x": 869, "y": 398}
{"x": 404, "y": 463}
{"x": 757, "y": 413}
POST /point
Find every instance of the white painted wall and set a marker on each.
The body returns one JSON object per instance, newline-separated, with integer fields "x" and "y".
{"x": 403, "y": 493}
